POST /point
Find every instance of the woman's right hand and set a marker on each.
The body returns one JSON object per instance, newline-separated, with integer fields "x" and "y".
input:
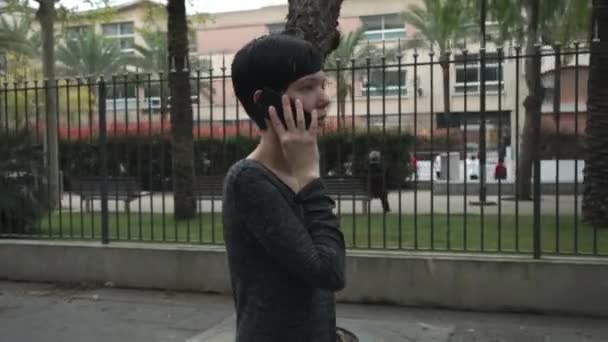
{"x": 299, "y": 144}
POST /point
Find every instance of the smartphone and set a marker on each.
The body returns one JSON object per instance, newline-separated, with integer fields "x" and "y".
{"x": 269, "y": 97}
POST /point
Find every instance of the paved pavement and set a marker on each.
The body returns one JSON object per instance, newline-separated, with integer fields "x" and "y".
{"x": 420, "y": 202}
{"x": 32, "y": 312}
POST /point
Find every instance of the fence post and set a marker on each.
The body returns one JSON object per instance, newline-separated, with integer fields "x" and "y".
{"x": 536, "y": 176}
{"x": 105, "y": 239}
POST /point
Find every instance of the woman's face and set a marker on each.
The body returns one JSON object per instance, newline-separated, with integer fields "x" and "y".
{"x": 310, "y": 90}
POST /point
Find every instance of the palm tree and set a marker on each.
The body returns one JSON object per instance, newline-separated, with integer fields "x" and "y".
{"x": 564, "y": 21}
{"x": 181, "y": 111}
{"x": 46, "y": 15}
{"x": 508, "y": 18}
{"x": 91, "y": 54}
{"x": 439, "y": 24}
{"x": 152, "y": 57}
{"x": 595, "y": 199}
{"x": 342, "y": 55}
{"x": 18, "y": 37}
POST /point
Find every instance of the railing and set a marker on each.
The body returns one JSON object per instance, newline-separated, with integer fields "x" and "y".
{"x": 116, "y": 176}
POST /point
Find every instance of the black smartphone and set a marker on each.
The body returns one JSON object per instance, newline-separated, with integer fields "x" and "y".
{"x": 270, "y": 97}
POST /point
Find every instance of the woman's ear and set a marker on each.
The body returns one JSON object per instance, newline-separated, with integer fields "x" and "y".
{"x": 256, "y": 96}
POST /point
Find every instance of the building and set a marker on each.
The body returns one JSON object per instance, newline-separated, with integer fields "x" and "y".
{"x": 409, "y": 93}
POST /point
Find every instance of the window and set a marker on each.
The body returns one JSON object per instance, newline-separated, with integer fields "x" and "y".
{"x": 275, "y": 28}
{"x": 392, "y": 85}
{"x": 383, "y": 27}
{"x": 121, "y": 33}
{"x": 121, "y": 90}
{"x": 468, "y": 73}
{"x": 72, "y": 33}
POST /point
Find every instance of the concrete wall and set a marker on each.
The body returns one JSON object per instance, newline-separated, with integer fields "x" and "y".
{"x": 469, "y": 282}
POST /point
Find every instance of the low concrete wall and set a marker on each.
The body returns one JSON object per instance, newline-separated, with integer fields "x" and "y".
{"x": 470, "y": 282}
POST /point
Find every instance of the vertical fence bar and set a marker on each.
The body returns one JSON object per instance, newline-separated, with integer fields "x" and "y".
{"x": 501, "y": 145}
{"x": 47, "y": 140}
{"x": 16, "y": 104}
{"x": 211, "y": 104}
{"x": 537, "y": 185}
{"x": 116, "y": 156}
{"x": 127, "y": 159}
{"x": 198, "y": 136}
{"x": 482, "y": 143}
{"x": 36, "y": 111}
{"x": 383, "y": 167}
{"x": 416, "y": 85}
{"x": 517, "y": 130}
{"x": 79, "y": 111}
{"x": 38, "y": 129}
{"x": 465, "y": 228}
{"x": 139, "y": 156}
{"x": 26, "y": 90}
{"x": 223, "y": 127}
{"x": 339, "y": 170}
{"x": 6, "y": 128}
{"x": 354, "y": 151}
{"x": 90, "y": 87}
{"x": 400, "y": 86}
{"x": 368, "y": 118}
{"x": 58, "y": 130}
{"x": 5, "y": 103}
{"x": 163, "y": 114}
{"x": 556, "y": 116}
{"x": 448, "y": 118}
{"x": 105, "y": 238}
{"x": 150, "y": 151}
{"x": 432, "y": 149}
{"x": 576, "y": 112}
{"x": 69, "y": 139}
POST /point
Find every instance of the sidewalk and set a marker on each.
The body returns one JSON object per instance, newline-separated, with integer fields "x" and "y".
{"x": 411, "y": 202}
{"x": 48, "y": 313}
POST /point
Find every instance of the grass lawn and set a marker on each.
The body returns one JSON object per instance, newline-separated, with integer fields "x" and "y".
{"x": 439, "y": 232}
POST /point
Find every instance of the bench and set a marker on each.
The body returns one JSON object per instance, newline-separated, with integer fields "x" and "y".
{"x": 209, "y": 187}
{"x": 348, "y": 188}
{"x": 119, "y": 188}
{"x": 343, "y": 188}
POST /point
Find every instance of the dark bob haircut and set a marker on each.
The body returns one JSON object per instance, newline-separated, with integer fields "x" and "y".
{"x": 273, "y": 61}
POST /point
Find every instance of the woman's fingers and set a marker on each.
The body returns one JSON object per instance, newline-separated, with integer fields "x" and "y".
{"x": 287, "y": 113}
{"x": 300, "y": 115}
{"x": 276, "y": 122}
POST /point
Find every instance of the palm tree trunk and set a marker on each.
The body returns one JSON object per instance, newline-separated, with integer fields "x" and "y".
{"x": 181, "y": 112}
{"x": 342, "y": 111}
{"x": 315, "y": 21}
{"x": 46, "y": 17}
{"x": 532, "y": 103}
{"x": 595, "y": 199}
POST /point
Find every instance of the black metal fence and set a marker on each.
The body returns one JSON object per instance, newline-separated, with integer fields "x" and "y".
{"x": 407, "y": 173}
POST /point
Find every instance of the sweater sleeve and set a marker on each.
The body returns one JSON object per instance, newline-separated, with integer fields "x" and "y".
{"x": 311, "y": 249}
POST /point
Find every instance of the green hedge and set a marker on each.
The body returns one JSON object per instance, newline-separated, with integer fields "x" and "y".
{"x": 149, "y": 158}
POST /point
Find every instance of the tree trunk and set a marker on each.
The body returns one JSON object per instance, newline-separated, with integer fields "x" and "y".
{"x": 342, "y": 111}
{"x": 445, "y": 68}
{"x": 595, "y": 199}
{"x": 46, "y": 17}
{"x": 532, "y": 103}
{"x": 181, "y": 111}
{"x": 315, "y": 21}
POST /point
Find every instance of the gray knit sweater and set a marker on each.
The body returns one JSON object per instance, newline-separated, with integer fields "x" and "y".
{"x": 286, "y": 256}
